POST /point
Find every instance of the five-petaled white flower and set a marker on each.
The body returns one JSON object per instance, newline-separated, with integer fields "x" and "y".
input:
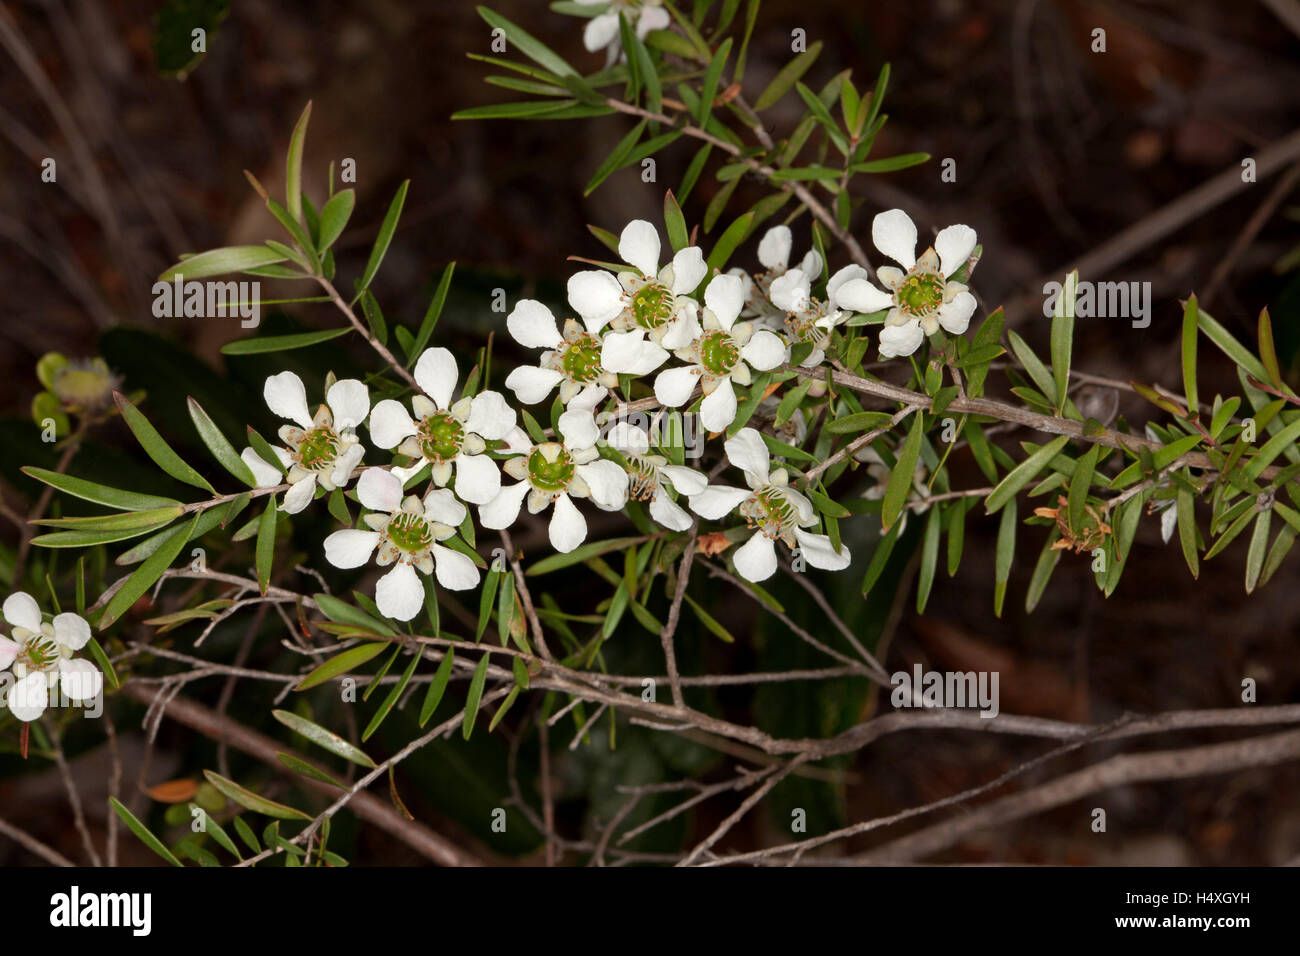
{"x": 572, "y": 361}
{"x": 774, "y": 255}
{"x": 406, "y": 533}
{"x": 807, "y": 318}
{"x": 323, "y": 450}
{"x": 652, "y": 474}
{"x": 601, "y": 32}
{"x": 553, "y": 473}
{"x": 922, "y": 295}
{"x": 40, "y": 655}
{"x": 771, "y": 507}
{"x": 721, "y": 354}
{"x": 444, "y": 433}
{"x": 648, "y": 308}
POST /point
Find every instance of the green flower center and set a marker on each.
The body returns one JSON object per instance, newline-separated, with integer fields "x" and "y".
{"x": 718, "y": 353}
{"x": 318, "y": 448}
{"x": 581, "y": 359}
{"x": 410, "y": 532}
{"x": 440, "y": 437}
{"x": 40, "y": 654}
{"x": 770, "y": 511}
{"x": 921, "y": 293}
{"x": 652, "y": 305}
{"x": 549, "y": 475}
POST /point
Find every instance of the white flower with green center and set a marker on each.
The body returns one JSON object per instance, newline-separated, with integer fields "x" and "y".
{"x": 721, "y": 354}
{"x": 40, "y": 654}
{"x": 774, "y": 255}
{"x": 552, "y": 473}
{"x": 601, "y": 32}
{"x": 450, "y": 436}
{"x": 573, "y": 361}
{"x": 650, "y": 306}
{"x": 406, "y": 534}
{"x": 776, "y": 511}
{"x": 322, "y": 449}
{"x": 805, "y": 317}
{"x": 921, "y": 296}
{"x": 651, "y": 476}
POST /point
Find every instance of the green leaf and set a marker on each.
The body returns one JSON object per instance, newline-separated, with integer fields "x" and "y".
{"x": 1189, "y": 354}
{"x": 1258, "y": 543}
{"x": 281, "y": 343}
{"x": 138, "y": 521}
{"x": 1080, "y": 483}
{"x": 585, "y": 552}
{"x": 1279, "y": 443}
{"x": 616, "y": 159}
{"x": 1006, "y": 552}
{"x": 158, "y": 449}
{"x": 217, "y": 262}
{"x": 392, "y": 697}
{"x": 929, "y": 558}
{"x": 334, "y": 217}
{"x": 219, "y": 445}
{"x": 437, "y": 686}
{"x": 473, "y": 697}
{"x": 707, "y": 619}
{"x": 266, "y": 545}
{"x": 528, "y": 45}
{"x": 1230, "y": 346}
{"x": 1021, "y": 475}
{"x": 787, "y": 77}
{"x": 145, "y": 576}
{"x": 341, "y": 663}
{"x": 1187, "y": 530}
{"x": 142, "y": 832}
{"x": 903, "y": 474}
{"x": 891, "y": 164}
{"x": 293, "y": 166}
{"x": 859, "y": 422}
{"x": 432, "y": 314}
{"x": 1063, "y": 338}
{"x": 524, "y": 109}
{"x": 310, "y": 771}
{"x": 709, "y": 87}
{"x": 386, "y": 230}
{"x": 678, "y": 235}
{"x": 343, "y": 613}
{"x": 729, "y": 240}
{"x": 248, "y": 799}
{"x": 1034, "y": 366}
{"x": 323, "y": 738}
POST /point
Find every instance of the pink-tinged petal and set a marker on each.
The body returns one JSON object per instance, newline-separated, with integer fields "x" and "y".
{"x": 380, "y": 490}
{"x": 859, "y": 295}
{"x": 689, "y": 270}
{"x": 748, "y": 452}
{"x": 490, "y": 417}
{"x": 718, "y": 410}
{"x": 299, "y": 495}
{"x": 390, "y": 423}
{"x": 717, "y": 501}
{"x": 349, "y": 400}
{"x": 628, "y": 353}
{"x": 532, "y": 325}
{"x": 399, "y": 593}
{"x": 756, "y": 559}
{"x": 532, "y": 384}
{"x": 816, "y": 550}
{"x": 29, "y": 697}
{"x": 954, "y": 245}
{"x": 894, "y": 234}
{"x": 436, "y": 374}
{"x": 80, "y": 680}
{"x": 442, "y": 505}
{"x": 71, "y": 630}
{"x": 8, "y": 651}
{"x": 955, "y": 316}
{"x": 725, "y": 297}
{"x": 639, "y": 246}
{"x": 503, "y": 510}
{"x": 350, "y": 548}
{"x": 764, "y": 350}
{"x": 21, "y": 610}
{"x": 673, "y": 386}
{"x": 478, "y": 479}
{"x": 774, "y": 248}
{"x": 608, "y": 483}
{"x": 286, "y": 396}
{"x": 455, "y": 571}
{"x": 668, "y": 512}
{"x": 596, "y": 296}
{"x": 568, "y": 528}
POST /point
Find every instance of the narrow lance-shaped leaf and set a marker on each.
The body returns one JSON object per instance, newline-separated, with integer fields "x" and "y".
{"x": 156, "y": 448}
{"x": 219, "y": 445}
{"x": 902, "y": 474}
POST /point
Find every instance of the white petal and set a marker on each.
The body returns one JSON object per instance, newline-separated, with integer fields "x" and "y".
{"x": 478, "y": 479}
{"x": 725, "y": 297}
{"x": 80, "y": 680}
{"x": 628, "y": 439}
{"x": 628, "y": 353}
{"x": 954, "y": 245}
{"x": 596, "y": 296}
{"x": 859, "y": 295}
{"x": 668, "y": 512}
{"x": 639, "y": 245}
{"x": 265, "y": 475}
{"x": 578, "y": 426}
{"x": 1168, "y": 521}
{"x": 532, "y": 384}
{"x": 29, "y": 697}
{"x": 436, "y": 374}
{"x": 652, "y": 18}
{"x": 588, "y": 399}
{"x": 390, "y": 423}
{"x": 490, "y": 417}
{"x": 21, "y": 610}
{"x": 718, "y": 410}
{"x": 717, "y": 501}
{"x": 816, "y": 550}
{"x": 350, "y": 548}
{"x": 8, "y": 651}
{"x": 443, "y": 506}
{"x": 568, "y": 527}
{"x": 756, "y": 558}
{"x": 518, "y": 441}
{"x": 532, "y": 325}
{"x": 455, "y": 571}
{"x": 349, "y": 400}
{"x": 346, "y": 463}
{"x": 399, "y": 593}
{"x": 897, "y": 340}
{"x": 71, "y": 630}
{"x": 502, "y": 510}
{"x": 774, "y": 248}
{"x": 299, "y": 495}
{"x": 790, "y": 292}
{"x": 764, "y": 350}
{"x": 380, "y": 490}
{"x": 600, "y": 32}
{"x": 851, "y": 271}
{"x": 955, "y": 316}
{"x": 673, "y": 386}
{"x": 686, "y": 480}
{"x": 608, "y": 483}
{"x": 287, "y": 397}
{"x": 811, "y": 264}
{"x": 689, "y": 270}
{"x": 748, "y": 452}
{"x": 683, "y": 328}
{"x": 894, "y": 234}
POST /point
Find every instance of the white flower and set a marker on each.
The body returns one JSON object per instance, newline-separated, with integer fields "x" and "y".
{"x": 406, "y": 533}
{"x": 649, "y": 307}
{"x": 721, "y": 354}
{"x": 807, "y": 318}
{"x": 323, "y": 449}
{"x": 652, "y": 474}
{"x": 572, "y": 360}
{"x": 444, "y": 433}
{"x": 553, "y": 473}
{"x": 774, "y": 255}
{"x": 40, "y": 655}
{"x": 922, "y": 296}
{"x": 601, "y": 32}
{"x": 771, "y": 507}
